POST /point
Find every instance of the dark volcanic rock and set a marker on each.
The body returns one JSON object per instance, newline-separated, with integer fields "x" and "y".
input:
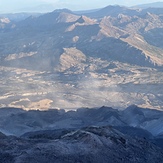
{"x": 90, "y": 144}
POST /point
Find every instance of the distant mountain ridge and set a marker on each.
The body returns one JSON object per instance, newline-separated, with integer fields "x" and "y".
{"x": 89, "y": 144}
{"x": 18, "y": 16}
{"x": 150, "y": 5}
{"x": 19, "y": 121}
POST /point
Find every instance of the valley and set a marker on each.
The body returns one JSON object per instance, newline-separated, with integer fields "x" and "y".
{"x": 118, "y": 87}
{"x": 65, "y": 60}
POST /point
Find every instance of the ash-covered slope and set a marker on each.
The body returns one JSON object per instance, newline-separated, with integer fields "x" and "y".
{"x": 90, "y": 144}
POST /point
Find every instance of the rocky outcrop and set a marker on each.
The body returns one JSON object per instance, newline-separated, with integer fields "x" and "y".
{"x": 90, "y": 144}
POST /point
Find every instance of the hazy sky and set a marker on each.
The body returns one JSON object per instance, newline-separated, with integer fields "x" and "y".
{"x": 18, "y": 5}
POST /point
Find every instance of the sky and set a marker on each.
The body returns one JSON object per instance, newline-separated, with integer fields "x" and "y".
{"x": 26, "y": 5}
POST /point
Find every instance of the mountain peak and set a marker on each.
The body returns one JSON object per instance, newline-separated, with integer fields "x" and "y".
{"x": 114, "y": 11}
{"x": 85, "y": 19}
{"x": 67, "y": 17}
{"x": 62, "y": 10}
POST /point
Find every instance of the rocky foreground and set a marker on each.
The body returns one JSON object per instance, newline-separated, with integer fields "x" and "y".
{"x": 90, "y": 144}
{"x": 86, "y": 135}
